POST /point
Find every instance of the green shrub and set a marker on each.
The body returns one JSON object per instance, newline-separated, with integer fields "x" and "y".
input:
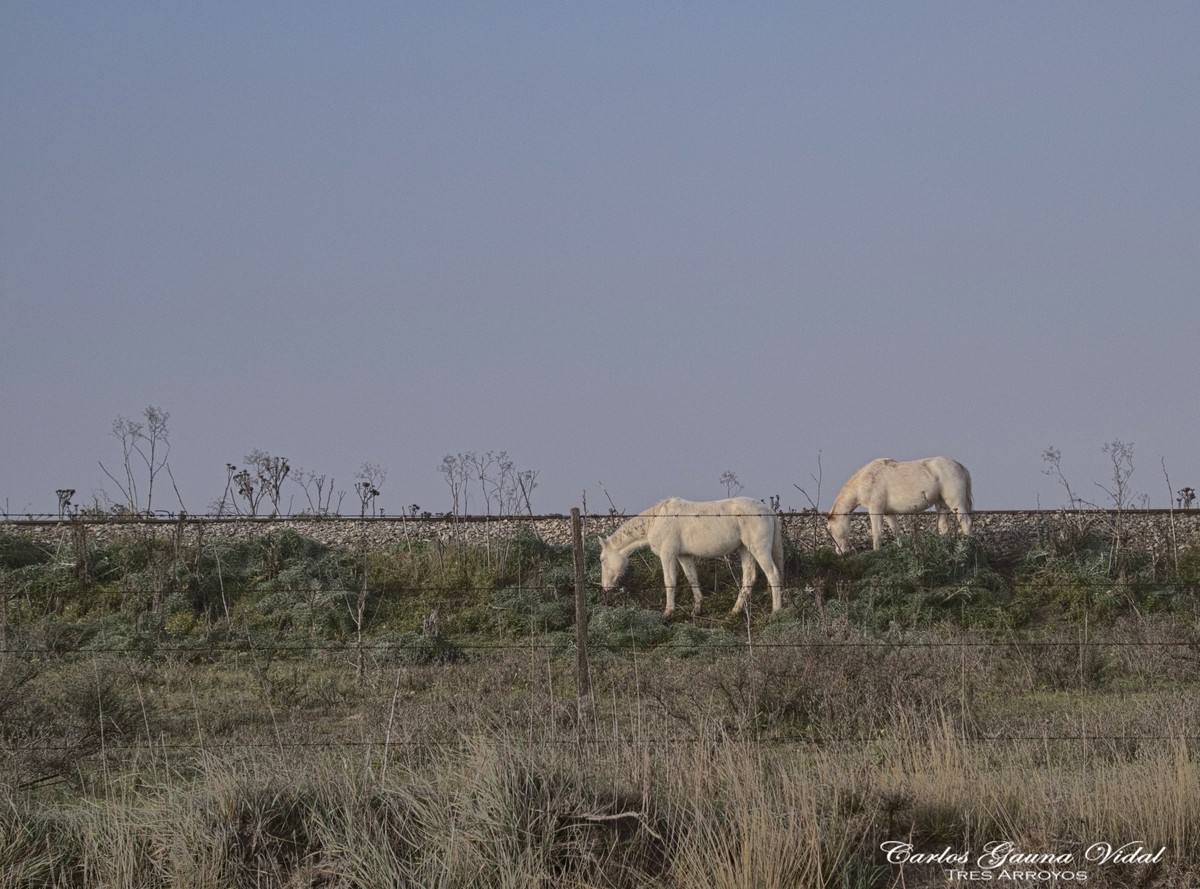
{"x": 20, "y": 552}
{"x": 625, "y": 627}
{"x": 531, "y": 610}
{"x": 918, "y": 580}
{"x": 416, "y": 649}
{"x": 688, "y": 640}
{"x": 1188, "y": 570}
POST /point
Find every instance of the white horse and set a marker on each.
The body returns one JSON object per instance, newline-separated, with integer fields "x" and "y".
{"x": 679, "y": 530}
{"x": 886, "y": 488}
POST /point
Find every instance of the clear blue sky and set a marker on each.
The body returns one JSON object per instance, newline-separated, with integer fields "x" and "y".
{"x": 633, "y": 245}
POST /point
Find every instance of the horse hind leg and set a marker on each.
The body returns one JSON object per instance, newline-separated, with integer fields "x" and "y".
{"x": 946, "y": 513}
{"x": 765, "y": 559}
{"x": 749, "y": 575}
{"x": 670, "y": 577}
{"x": 774, "y": 574}
{"x": 689, "y": 569}
{"x": 943, "y": 520}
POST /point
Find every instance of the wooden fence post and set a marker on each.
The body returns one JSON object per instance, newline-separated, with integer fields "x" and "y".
{"x": 583, "y": 675}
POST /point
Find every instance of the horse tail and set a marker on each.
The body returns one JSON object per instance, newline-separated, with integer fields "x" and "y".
{"x": 777, "y": 546}
{"x": 965, "y": 522}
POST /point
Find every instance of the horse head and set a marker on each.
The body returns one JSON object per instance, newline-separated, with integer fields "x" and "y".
{"x": 839, "y": 529}
{"x": 613, "y": 563}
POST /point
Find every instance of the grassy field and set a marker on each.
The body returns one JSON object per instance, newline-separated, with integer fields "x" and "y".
{"x": 278, "y": 713}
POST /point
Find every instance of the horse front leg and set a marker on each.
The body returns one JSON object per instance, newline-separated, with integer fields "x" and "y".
{"x": 689, "y": 569}
{"x": 876, "y": 530}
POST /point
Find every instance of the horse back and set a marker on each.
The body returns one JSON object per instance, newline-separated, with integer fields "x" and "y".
{"x": 708, "y": 528}
{"x": 892, "y": 486}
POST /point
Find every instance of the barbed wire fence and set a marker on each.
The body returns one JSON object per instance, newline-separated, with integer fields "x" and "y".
{"x": 74, "y": 536}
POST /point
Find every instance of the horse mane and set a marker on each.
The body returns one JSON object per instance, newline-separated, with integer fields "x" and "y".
{"x": 660, "y": 508}
{"x": 637, "y": 528}
{"x": 633, "y": 529}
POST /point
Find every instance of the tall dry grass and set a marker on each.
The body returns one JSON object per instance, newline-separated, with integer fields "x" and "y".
{"x": 494, "y": 810}
{"x": 783, "y": 766}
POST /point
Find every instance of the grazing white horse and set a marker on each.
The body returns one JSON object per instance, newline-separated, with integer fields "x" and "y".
{"x": 678, "y": 531}
{"x": 886, "y": 488}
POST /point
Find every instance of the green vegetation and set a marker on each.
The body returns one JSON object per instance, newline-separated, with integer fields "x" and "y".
{"x": 278, "y": 712}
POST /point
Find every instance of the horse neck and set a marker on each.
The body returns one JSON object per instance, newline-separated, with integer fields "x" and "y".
{"x": 631, "y": 535}
{"x": 846, "y": 500}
